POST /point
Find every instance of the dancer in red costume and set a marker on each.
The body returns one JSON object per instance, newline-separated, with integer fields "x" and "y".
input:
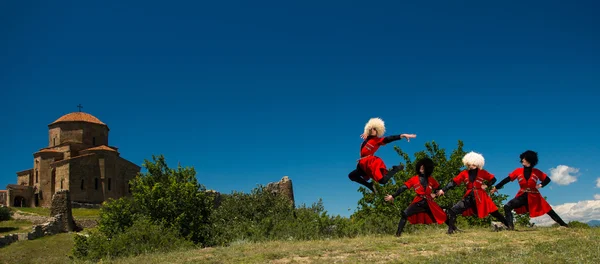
{"x": 370, "y": 166}
{"x": 528, "y": 199}
{"x": 476, "y": 200}
{"x": 423, "y": 209}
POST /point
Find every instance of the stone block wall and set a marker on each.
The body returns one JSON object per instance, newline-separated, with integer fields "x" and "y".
{"x": 85, "y": 168}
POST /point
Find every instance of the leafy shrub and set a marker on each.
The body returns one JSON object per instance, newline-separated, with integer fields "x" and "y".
{"x": 5, "y": 213}
{"x": 142, "y": 236}
{"x": 261, "y": 215}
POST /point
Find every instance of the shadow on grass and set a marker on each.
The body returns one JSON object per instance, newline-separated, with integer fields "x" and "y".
{"x": 8, "y": 229}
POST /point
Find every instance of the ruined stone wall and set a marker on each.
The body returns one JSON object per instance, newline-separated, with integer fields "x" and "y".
{"x": 61, "y": 221}
{"x": 61, "y": 205}
{"x": 283, "y": 187}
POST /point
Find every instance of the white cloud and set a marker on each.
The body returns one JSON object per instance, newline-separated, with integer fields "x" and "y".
{"x": 582, "y": 211}
{"x": 561, "y": 175}
{"x": 598, "y": 183}
{"x": 597, "y": 196}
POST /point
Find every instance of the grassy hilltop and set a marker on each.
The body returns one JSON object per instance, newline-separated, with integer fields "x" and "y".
{"x": 475, "y": 245}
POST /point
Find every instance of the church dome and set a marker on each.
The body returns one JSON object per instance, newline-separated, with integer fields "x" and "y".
{"x": 78, "y": 117}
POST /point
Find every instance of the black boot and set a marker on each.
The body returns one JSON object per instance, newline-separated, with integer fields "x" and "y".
{"x": 371, "y": 187}
{"x": 557, "y": 218}
{"x": 451, "y": 221}
{"x": 391, "y": 173}
{"x": 401, "y": 226}
{"x": 501, "y": 218}
{"x": 362, "y": 181}
{"x": 509, "y": 218}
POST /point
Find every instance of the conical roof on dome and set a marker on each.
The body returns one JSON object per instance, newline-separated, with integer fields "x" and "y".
{"x": 78, "y": 117}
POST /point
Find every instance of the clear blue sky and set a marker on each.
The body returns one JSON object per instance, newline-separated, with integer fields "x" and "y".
{"x": 249, "y": 91}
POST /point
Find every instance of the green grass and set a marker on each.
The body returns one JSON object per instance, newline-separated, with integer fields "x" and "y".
{"x": 15, "y": 226}
{"x": 50, "y": 249}
{"x": 541, "y": 245}
{"x": 78, "y": 213}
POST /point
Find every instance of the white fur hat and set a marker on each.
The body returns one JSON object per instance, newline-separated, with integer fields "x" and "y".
{"x": 376, "y": 123}
{"x": 474, "y": 158}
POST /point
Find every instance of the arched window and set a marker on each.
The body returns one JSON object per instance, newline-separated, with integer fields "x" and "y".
{"x": 109, "y": 184}
{"x": 61, "y": 183}
{"x": 96, "y": 183}
{"x": 82, "y": 184}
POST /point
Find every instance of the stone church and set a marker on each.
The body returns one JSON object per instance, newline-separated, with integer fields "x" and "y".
{"x": 78, "y": 158}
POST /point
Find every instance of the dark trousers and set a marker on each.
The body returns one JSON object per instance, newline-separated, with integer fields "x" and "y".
{"x": 467, "y": 203}
{"x": 522, "y": 201}
{"x": 412, "y": 209}
{"x": 356, "y": 176}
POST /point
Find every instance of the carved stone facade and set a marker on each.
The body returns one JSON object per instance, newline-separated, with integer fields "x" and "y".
{"x": 78, "y": 158}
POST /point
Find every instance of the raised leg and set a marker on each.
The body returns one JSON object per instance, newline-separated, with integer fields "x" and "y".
{"x": 391, "y": 173}
{"x": 356, "y": 176}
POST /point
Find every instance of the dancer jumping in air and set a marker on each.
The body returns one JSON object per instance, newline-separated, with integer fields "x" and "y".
{"x": 528, "y": 199}
{"x": 476, "y": 200}
{"x": 370, "y": 166}
{"x": 423, "y": 209}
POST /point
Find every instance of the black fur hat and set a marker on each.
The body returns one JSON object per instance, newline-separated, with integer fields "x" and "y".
{"x": 429, "y": 165}
{"x": 530, "y": 156}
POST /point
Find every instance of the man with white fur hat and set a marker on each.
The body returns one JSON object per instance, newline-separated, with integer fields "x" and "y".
{"x": 476, "y": 201}
{"x": 370, "y": 166}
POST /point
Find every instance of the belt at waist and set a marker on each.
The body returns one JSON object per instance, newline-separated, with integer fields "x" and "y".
{"x": 530, "y": 190}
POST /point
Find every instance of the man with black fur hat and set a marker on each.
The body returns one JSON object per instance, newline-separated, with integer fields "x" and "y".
{"x": 476, "y": 200}
{"x": 423, "y": 209}
{"x": 370, "y": 166}
{"x": 528, "y": 199}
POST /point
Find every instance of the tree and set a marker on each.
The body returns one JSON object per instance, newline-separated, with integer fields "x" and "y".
{"x": 171, "y": 197}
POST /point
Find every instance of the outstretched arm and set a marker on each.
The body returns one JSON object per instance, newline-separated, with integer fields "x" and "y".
{"x": 390, "y": 198}
{"x": 400, "y": 190}
{"x": 499, "y": 185}
{"x": 502, "y": 183}
{"x": 389, "y": 139}
{"x": 449, "y": 186}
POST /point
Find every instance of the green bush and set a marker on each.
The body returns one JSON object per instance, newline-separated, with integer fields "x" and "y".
{"x": 117, "y": 215}
{"x": 143, "y": 236}
{"x": 5, "y": 213}
{"x": 175, "y": 198}
{"x": 261, "y": 215}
